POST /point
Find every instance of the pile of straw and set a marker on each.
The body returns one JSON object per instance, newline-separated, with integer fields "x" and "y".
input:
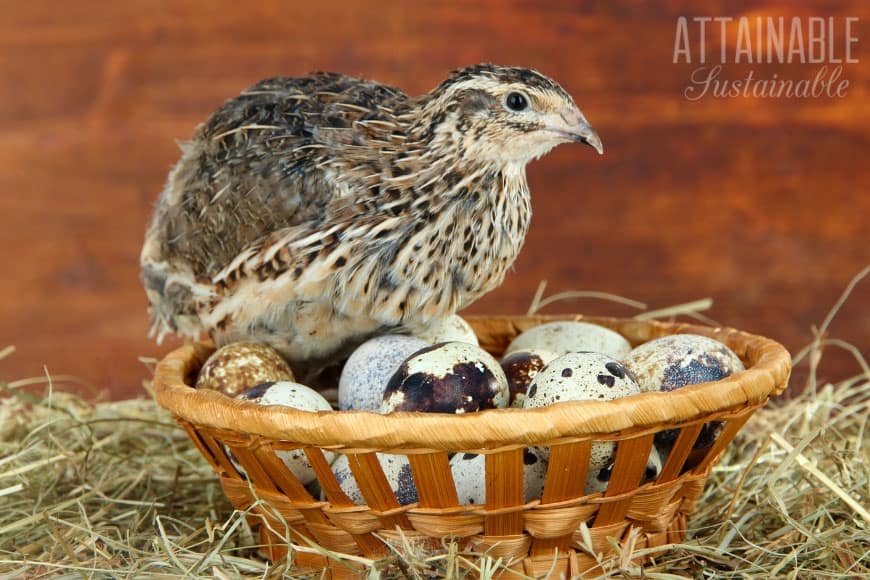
{"x": 116, "y": 489}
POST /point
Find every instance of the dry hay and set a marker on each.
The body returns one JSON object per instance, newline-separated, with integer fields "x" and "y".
{"x": 115, "y": 489}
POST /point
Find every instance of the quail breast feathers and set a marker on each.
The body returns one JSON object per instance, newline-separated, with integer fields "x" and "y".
{"x": 311, "y": 213}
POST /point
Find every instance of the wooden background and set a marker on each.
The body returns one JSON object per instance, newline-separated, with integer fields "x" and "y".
{"x": 761, "y": 204}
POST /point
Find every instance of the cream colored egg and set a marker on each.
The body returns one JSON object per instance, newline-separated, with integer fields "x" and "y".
{"x": 568, "y": 336}
{"x": 583, "y": 376}
{"x": 580, "y": 376}
{"x": 451, "y": 329}
{"x": 469, "y": 470}
{"x": 290, "y": 394}
{"x": 679, "y": 360}
{"x": 601, "y": 470}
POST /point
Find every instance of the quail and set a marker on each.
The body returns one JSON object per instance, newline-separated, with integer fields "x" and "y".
{"x": 311, "y": 213}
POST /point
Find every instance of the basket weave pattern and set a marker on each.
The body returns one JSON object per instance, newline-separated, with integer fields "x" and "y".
{"x": 539, "y": 537}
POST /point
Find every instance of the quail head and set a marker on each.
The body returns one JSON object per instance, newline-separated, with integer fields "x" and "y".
{"x": 311, "y": 213}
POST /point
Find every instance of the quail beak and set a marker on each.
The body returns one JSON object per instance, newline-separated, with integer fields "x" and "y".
{"x": 576, "y": 128}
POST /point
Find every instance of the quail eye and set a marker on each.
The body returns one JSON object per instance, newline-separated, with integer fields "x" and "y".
{"x": 517, "y": 102}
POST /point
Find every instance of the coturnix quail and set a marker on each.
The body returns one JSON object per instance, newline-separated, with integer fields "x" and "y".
{"x": 311, "y": 213}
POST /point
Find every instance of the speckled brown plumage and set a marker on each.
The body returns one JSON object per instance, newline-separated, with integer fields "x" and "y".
{"x": 313, "y": 212}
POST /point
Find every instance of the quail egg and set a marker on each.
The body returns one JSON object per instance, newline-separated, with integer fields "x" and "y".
{"x": 601, "y": 468}
{"x": 583, "y": 376}
{"x": 469, "y": 470}
{"x": 521, "y": 367}
{"x": 290, "y": 394}
{"x": 368, "y": 370}
{"x": 451, "y": 377}
{"x": 568, "y": 336}
{"x": 454, "y": 328}
{"x": 242, "y": 365}
{"x": 675, "y": 361}
{"x": 396, "y": 469}
{"x": 580, "y": 376}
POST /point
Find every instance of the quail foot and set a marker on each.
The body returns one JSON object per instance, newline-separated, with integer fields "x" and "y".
{"x": 312, "y": 213}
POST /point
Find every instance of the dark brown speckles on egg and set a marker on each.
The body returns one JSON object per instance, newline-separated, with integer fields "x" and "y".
{"x": 605, "y": 473}
{"x": 446, "y": 378}
{"x": 342, "y": 475}
{"x": 709, "y": 433}
{"x": 254, "y": 393}
{"x": 615, "y": 369}
{"x": 521, "y": 368}
{"x": 672, "y": 362}
{"x": 529, "y": 458}
{"x": 705, "y": 368}
{"x": 406, "y": 489}
{"x": 606, "y": 380}
{"x": 396, "y": 470}
{"x": 467, "y": 388}
{"x": 567, "y": 372}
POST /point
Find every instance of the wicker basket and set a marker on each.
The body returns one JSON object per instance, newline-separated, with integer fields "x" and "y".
{"x": 539, "y": 537}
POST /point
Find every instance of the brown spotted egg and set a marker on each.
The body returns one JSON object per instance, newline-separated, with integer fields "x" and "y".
{"x": 569, "y": 336}
{"x": 239, "y": 366}
{"x": 454, "y": 328}
{"x": 368, "y": 370}
{"x": 580, "y": 376}
{"x": 396, "y": 469}
{"x": 583, "y": 376}
{"x": 290, "y": 394}
{"x": 599, "y": 475}
{"x": 520, "y": 368}
{"x": 468, "y": 471}
{"x": 451, "y": 377}
{"x": 675, "y": 361}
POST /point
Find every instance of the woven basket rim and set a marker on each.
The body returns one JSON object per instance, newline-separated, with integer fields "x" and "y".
{"x": 767, "y": 376}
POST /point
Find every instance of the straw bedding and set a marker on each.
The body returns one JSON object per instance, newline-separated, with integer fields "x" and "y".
{"x": 115, "y": 489}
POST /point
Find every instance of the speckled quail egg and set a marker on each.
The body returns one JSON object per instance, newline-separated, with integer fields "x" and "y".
{"x": 469, "y": 475}
{"x": 568, "y": 336}
{"x": 580, "y": 376}
{"x": 601, "y": 468}
{"x": 454, "y": 328}
{"x": 368, "y": 370}
{"x": 290, "y": 394}
{"x": 674, "y": 361}
{"x": 396, "y": 469}
{"x": 521, "y": 367}
{"x": 451, "y": 377}
{"x": 679, "y": 360}
{"x": 583, "y": 376}
{"x": 239, "y": 366}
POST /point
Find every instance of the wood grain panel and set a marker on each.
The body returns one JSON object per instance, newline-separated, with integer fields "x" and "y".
{"x": 761, "y": 204}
